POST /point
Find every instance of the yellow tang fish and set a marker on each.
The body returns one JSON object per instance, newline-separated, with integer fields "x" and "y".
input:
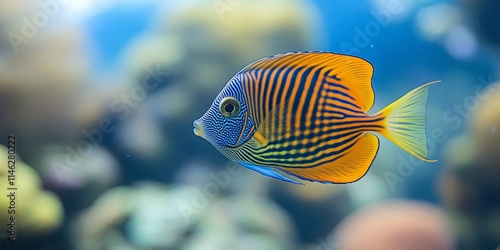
{"x": 305, "y": 115}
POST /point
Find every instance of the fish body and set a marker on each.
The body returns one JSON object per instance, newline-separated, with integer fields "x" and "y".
{"x": 305, "y": 115}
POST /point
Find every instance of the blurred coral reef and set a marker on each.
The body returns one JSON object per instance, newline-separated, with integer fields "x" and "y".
{"x": 36, "y": 211}
{"x": 470, "y": 182}
{"x": 109, "y": 159}
{"x": 398, "y": 225}
{"x": 147, "y": 216}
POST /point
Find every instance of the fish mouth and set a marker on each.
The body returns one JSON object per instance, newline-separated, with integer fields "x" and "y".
{"x": 198, "y": 129}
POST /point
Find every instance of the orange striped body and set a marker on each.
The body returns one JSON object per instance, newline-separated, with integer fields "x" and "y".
{"x": 308, "y": 116}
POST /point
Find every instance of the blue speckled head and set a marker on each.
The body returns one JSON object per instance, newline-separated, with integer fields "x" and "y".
{"x": 227, "y": 122}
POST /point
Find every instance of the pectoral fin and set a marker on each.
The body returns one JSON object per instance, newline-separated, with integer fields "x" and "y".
{"x": 262, "y": 141}
{"x": 267, "y": 171}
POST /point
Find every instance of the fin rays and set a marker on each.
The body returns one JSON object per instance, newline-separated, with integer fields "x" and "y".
{"x": 405, "y": 122}
{"x": 348, "y": 168}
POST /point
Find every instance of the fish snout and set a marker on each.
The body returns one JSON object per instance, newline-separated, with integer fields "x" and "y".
{"x": 198, "y": 130}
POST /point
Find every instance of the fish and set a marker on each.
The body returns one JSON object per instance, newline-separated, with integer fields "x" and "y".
{"x": 304, "y": 116}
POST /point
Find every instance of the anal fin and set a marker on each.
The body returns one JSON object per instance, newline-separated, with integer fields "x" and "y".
{"x": 267, "y": 171}
{"x": 348, "y": 168}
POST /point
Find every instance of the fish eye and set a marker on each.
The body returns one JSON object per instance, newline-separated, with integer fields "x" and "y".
{"x": 229, "y": 107}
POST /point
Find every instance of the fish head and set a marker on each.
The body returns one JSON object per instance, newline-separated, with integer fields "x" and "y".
{"x": 227, "y": 122}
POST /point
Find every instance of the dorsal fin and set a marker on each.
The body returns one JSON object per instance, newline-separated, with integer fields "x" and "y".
{"x": 351, "y": 72}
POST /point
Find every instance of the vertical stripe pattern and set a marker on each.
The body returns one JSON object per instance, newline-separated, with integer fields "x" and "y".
{"x": 306, "y": 106}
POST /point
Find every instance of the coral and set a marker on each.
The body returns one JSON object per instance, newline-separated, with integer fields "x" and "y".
{"x": 36, "y": 211}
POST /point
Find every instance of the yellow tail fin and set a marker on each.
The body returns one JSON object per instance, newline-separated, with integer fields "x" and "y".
{"x": 404, "y": 122}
